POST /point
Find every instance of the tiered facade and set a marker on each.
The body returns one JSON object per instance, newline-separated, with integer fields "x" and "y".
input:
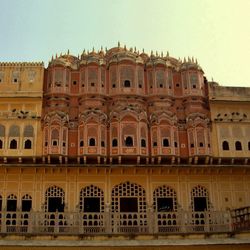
{"x": 121, "y": 143}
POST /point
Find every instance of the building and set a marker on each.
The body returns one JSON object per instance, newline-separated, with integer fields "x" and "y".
{"x": 124, "y": 147}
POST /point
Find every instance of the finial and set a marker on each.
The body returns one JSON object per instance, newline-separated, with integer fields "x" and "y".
{"x": 87, "y": 51}
{"x": 184, "y": 59}
{"x": 167, "y": 54}
{"x": 125, "y": 48}
{"x": 212, "y": 79}
{"x": 135, "y": 49}
{"x": 192, "y": 59}
{"x": 52, "y": 58}
{"x": 143, "y": 50}
{"x": 78, "y": 56}
{"x": 68, "y": 52}
{"x": 60, "y": 54}
{"x": 188, "y": 59}
{"x": 93, "y": 49}
{"x": 161, "y": 54}
{"x": 106, "y": 49}
{"x": 152, "y": 53}
{"x": 101, "y": 49}
{"x": 156, "y": 53}
{"x": 131, "y": 49}
{"x": 196, "y": 62}
{"x": 56, "y": 55}
{"x": 119, "y": 44}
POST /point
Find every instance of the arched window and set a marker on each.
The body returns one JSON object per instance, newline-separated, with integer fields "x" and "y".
{"x": 14, "y": 131}
{"x": 165, "y": 142}
{"x": 249, "y": 145}
{"x": 26, "y": 203}
{"x": 238, "y": 145}
{"x": 130, "y": 200}
{"x": 54, "y": 199}
{"x": 103, "y": 144}
{"x": 143, "y": 143}
{"x": 114, "y": 143}
{"x": 28, "y": 144}
{"x": 155, "y": 144}
{"x": 129, "y": 141}
{"x": 201, "y": 144}
{"x": 13, "y": 144}
{"x": 11, "y": 203}
{"x": 225, "y": 145}
{"x": 91, "y": 200}
{"x": 81, "y": 144}
{"x": 28, "y": 131}
{"x": 1, "y": 144}
{"x": 199, "y": 199}
{"x": 165, "y": 199}
{"x": 127, "y": 84}
{"x": 92, "y": 142}
{"x": 54, "y": 137}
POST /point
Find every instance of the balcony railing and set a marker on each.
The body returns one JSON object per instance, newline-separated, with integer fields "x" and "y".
{"x": 74, "y": 223}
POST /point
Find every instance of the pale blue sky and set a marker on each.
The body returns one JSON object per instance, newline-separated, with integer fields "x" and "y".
{"x": 216, "y": 32}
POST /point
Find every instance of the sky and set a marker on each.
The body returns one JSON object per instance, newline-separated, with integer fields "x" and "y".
{"x": 216, "y": 32}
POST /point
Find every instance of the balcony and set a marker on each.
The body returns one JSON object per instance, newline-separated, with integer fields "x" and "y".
{"x": 106, "y": 223}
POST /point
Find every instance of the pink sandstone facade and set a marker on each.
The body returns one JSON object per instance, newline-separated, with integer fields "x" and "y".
{"x": 121, "y": 106}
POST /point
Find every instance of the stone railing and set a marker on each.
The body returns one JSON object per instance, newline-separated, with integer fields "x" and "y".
{"x": 73, "y": 223}
{"x": 241, "y": 219}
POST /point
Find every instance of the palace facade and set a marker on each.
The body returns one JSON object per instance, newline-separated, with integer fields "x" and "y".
{"x": 119, "y": 144}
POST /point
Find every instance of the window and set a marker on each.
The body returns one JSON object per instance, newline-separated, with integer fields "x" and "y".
{"x": 165, "y": 142}
{"x": 140, "y": 86}
{"x": 11, "y": 203}
{"x": 249, "y": 145}
{"x": 143, "y": 143}
{"x": 175, "y": 144}
{"x": 64, "y": 144}
{"x": 28, "y": 144}
{"x": 46, "y": 144}
{"x": 127, "y": 84}
{"x": 103, "y": 143}
{"x": 238, "y": 146}
{"x": 92, "y": 204}
{"x": 129, "y": 141}
{"x": 128, "y": 204}
{"x": 225, "y": 145}
{"x": 191, "y": 145}
{"x": 1, "y": 144}
{"x": 92, "y": 84}
{"x": 91, "y": 142}
{"x": 165, "y": 204}
{"x": 154, "y": 144}
{"x": 13, "y": 144}
{"x": 26, "y": 203}
{"x": 15, "y": 80}
{"x": 201, "y": 144}
{"x": 113, "y": 86}
{"x": 161, "y": 86}
{"x": 114, "y": 143}
{"x": 54, "y": 142}
{"x": 74, "y": 82}
{"x": 81, "y": 144}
